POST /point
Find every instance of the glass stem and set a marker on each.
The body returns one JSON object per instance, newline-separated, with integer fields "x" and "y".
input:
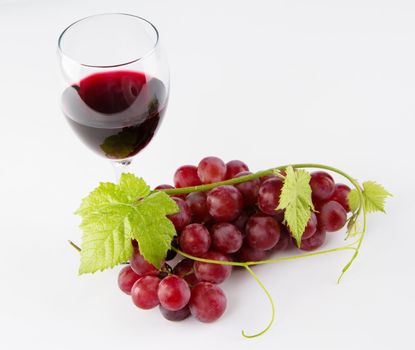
{"x": 120, "y": 167}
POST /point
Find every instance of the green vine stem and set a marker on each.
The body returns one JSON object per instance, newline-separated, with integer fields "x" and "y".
{"x": 268, "y": 261}
{"x": 276, "y": 170}
{"x": 355, "y": 246}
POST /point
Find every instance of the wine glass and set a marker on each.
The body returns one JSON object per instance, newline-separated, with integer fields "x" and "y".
{"x": 116, "y": 84}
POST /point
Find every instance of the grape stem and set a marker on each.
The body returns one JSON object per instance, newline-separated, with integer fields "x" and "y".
{"x": 355, "y": 246}
{"x": 74, "y": 246}
{"x": 276, "y": 170}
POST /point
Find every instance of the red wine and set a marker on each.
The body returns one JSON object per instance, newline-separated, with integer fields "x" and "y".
{"x": 115, "y": 113}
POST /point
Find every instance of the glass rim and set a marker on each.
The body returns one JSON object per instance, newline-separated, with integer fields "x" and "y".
{"x": 148, "y": 53}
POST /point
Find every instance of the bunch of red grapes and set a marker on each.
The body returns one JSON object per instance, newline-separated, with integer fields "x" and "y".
{"x": 228, "y": 223}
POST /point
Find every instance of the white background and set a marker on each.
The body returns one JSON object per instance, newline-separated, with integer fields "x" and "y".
{"x": 270, "y": 82}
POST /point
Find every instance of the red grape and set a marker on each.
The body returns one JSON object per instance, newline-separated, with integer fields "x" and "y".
{"x": 211, "y": 169}
{"x": 171, "y": 253}
{"x": 264, "y": 178}
{"x": 186, "y": 176}
{"x": 126, "y": 278}
{"x": 262, "y": 232}
{"x": 279, "y": 215}
{"x": 318, "y": 203}
{"x": 226, "y": 238}
{"x": 183, "y": 217}
{"x": 144, "y": 292}
{"x": 134, "y": 243}
{"x": 314, "y": 242}
{"x": 249, "y": 189}
{"x": 332, "y": 216}
{"x": 198, "y": 207}
{"x": 242, "y": 219}
{"x": 164, "y": 187}
{"x": 247, "y": 253}
{"x": 173, "y": 293}
{"x": 322, "y": 185}
{"x": 269, "y": 195}
{"x": 340, "y": 195}
{"x": 285, "y": 240}
{"x": 140, "y": 265}
{"x": 185, "y": 270}
{"x": 214, "y": 273}
{"x": 311, "y": 227}
{"x": 235, "y": 167}
{"x": 208, "y": 302}
{"x": 195, "y": 239}
{"x": 224, "y": 203}
{"x": 178, "y": 315}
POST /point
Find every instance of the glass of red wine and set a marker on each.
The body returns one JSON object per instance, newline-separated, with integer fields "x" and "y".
{"x": 116, "y": 84}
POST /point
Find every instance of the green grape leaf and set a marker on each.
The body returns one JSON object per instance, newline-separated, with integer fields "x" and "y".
{"x": 114, "y": 214}
{"x": 279, "y": 173}
{"x": 133, "y": 187}
{"x": 295, "y": 198}
{"x": 353, "y": 199}
{"x": 151, "y": 228}
{"x": 374, "y": 196}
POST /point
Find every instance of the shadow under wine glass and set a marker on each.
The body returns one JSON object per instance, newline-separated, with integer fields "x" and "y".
{"x": 116, "y": 84}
